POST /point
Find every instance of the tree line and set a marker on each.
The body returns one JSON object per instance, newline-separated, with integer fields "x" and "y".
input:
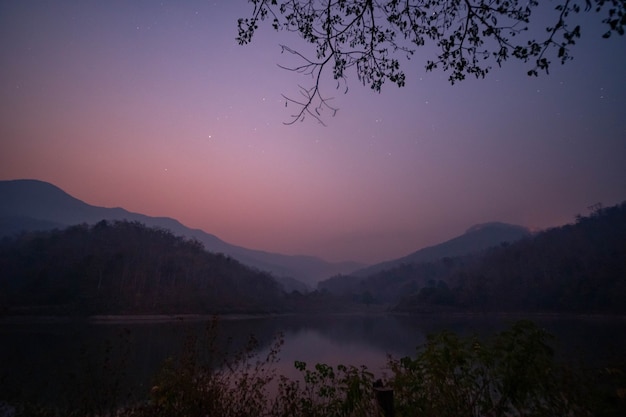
{"x": 125, "y": 267}
{"x": 579, "y": 267}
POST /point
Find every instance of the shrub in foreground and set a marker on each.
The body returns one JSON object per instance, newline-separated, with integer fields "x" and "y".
{"x": 512, "y": 374}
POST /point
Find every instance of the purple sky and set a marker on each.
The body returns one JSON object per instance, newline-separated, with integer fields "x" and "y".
{"x": 152, "y": 106}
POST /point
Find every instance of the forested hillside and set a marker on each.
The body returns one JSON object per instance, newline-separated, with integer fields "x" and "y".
{"x": 386, "y": 282}
{"x": 390, "y": 285}
{"x": 476, "y": 239}
{"x": 30, "y": 205}
{"x": 125, "y": 267}
{"x": 579, "y": 267}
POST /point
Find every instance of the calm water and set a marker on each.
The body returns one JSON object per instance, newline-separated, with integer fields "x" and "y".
{"x": 58, "y": 362}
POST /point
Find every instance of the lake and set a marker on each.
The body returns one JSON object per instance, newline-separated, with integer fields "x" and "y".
{"x": 60, "y": 361}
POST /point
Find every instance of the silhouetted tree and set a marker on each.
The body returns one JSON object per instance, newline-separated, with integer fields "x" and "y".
{"x": 373, "y": 36}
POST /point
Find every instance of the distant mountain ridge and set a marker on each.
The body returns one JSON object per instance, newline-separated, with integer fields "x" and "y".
{"x": 38, "y": 205}
{"x": 578, "y": 267}
{"x": 475, "y": 239}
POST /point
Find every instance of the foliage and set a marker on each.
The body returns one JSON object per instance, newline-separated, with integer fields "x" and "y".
{"x": 512, "y": 374}
{"x": 125, "y": 267}
{"x": 575, "y": 268}
{"x": 578, "y": 267}
{"x": 207, "y": 381}
{"x": 389, "y": 285}
{"x": 372, "y": 37}
{"x": 216, "y": 384}
{"x": 609, "y": 385}
{"x": 344, "y": 391}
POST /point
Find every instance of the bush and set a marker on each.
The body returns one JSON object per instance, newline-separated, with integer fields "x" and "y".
{"x": 512, "y": 374}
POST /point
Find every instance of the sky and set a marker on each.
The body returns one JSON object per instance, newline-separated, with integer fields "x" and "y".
{"x": 154, "y": 107}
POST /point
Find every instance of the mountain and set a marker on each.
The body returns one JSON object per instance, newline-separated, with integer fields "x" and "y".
{"x": 575, "y": 268}
{"x": 475, "y": 239}
{"x": 36, "y": 205}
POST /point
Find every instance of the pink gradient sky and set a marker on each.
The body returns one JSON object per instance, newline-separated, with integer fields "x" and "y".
{"x": 155, "y": 108}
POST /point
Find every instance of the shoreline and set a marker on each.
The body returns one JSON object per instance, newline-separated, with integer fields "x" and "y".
{"x": 129, "y": 318}
{"x": 194, "y": 318}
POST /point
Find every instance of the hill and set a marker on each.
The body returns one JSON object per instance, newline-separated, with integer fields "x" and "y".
{"x": 27, "y": 205}
{"x": 578, "y": 268}
{"x": 575, "y": 268}
{"x": 475, "y": 239}
{"x": 388, "y": 281}
{"x": 125, "y": 267}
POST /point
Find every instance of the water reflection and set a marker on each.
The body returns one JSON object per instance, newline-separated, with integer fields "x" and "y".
{"x": 59, "y": 362}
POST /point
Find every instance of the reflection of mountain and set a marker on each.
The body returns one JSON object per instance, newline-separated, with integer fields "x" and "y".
{"x": 43, "y": 357}
{"x": 592, "y": 339}
{"x": 387, "y": 333}
{"x": 37, "y": 205}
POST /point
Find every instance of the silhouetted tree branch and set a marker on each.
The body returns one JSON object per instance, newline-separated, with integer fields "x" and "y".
{"x": 372, "y": 36}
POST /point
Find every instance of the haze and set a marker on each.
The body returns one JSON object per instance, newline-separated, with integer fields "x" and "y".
{"x": 155, "y": 108}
